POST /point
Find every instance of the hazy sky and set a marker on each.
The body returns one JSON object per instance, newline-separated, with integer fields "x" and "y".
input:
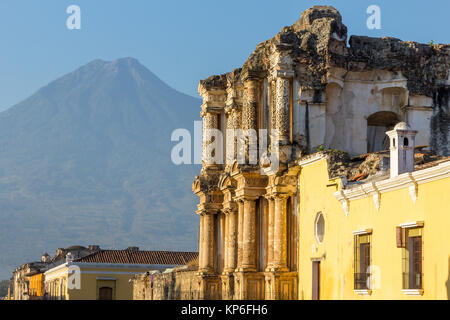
{"x": 180, "y": 41}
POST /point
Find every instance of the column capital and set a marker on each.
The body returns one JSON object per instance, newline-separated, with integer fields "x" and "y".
{"x": 269, "y": 196}
{"x": 230, "y": 210}
{"x": 245, "y": 198}
{"x": 279, "y": 195}
{"x": 207, "y": 110}
{"x": 203, "y": 212}
{"x": 253, "y": 75}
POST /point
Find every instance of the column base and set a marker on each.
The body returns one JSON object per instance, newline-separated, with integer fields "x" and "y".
{"x": 210, "y": 286}
{"x": 205, "y": 272}
{"x": 277, "y": 269}
{"x": 246, "y": 269}
{"x": 248, "y": 285}
{"x": 281, "y": 285}
{"x": 227, "y": 287}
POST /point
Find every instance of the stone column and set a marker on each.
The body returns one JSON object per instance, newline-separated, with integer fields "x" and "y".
{"x": 240, "y": 232}
{"x": 270, "y": 231}
{"x": 250, "y": 112}
{"x": 232, "y": 241}
{"x": 200, "y": 244}
{"x": 280, "y": 233}
{"x": 207, "y": 264}
{"x": 233, "y": 124}
{"x": 250, "y": 121}
{"x": 282, "y": 95}
{"x": 226, "y": 242}
{"x": 210, "y": 121}
{"x": 249, "y": 236}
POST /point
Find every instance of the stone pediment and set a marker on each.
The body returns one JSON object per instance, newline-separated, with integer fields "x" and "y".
{"x": 227, "y": 182}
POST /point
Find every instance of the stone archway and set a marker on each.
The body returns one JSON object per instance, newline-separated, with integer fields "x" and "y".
{"x": 377, "y": 125}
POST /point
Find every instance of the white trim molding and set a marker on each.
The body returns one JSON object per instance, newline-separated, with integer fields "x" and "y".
{"x": 410, "y": 180}
{"x": 362, "y": 231}
{"x": 414, "y": 188}
{"x": 413, "y": 292}
{"x": 303, "y": 162}
{"x": 341, "y": 196}
{"x": 363, "y": 292}
{"x": 413, "y": 224}
{"x": 60, "y": 269}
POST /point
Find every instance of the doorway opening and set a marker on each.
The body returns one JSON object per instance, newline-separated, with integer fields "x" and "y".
{"x": 316, "y": 280}
{"x": 377, "y": 125}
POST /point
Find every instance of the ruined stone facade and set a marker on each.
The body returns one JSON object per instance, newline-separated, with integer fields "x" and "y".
{"x": 312, "y": 88}
{"x": 178, "y": 284}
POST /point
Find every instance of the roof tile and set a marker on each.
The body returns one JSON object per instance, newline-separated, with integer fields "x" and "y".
{"x": 139, "y": 257}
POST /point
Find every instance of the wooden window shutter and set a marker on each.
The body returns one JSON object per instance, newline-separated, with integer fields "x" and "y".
{"x": 400, "y": 237}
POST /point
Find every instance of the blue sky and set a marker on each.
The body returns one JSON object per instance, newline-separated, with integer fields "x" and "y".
{"x": 180, "y": 41}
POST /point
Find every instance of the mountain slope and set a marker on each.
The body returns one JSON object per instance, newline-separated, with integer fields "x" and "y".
{"x": 86, "y": 160}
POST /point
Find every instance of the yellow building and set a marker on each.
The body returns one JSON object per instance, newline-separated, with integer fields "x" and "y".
{"x": 36, "y": 285}
{"x": 385, "y": 237}
{"x": 106, "y": 274}
{"x": 24, "y": 281}
{"x": 269, "y": 214}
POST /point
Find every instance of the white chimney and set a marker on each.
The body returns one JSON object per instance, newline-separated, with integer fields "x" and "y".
{"x": 402, "y": 143}
{"x": 69, "y": 257}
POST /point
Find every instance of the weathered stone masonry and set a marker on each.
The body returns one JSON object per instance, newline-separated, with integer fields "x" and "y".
{"x": 315, "y": 90}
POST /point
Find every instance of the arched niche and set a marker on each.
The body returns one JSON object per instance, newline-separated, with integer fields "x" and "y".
{"x": 377, "y": 125}
{"x": 394, "y": 98}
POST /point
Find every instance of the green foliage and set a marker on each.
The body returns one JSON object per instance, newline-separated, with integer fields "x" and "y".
{"x": 432, "y": 44}
{"x": 321, "y": 148}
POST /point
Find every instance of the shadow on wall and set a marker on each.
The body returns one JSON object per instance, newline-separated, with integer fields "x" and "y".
{"x": 448, "y": 280}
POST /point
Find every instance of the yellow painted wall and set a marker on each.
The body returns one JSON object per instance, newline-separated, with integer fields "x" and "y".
{"x": 337, "y": 250}
{"x": 90, "y": 282}
{"x": 35, "y": 285}
{"x": 123, "y": 289}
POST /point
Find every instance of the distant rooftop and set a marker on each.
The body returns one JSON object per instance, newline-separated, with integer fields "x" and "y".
{"x": 139, "y": 257}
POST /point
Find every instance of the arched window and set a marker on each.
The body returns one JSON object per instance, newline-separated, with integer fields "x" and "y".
{"x": 405, "y": 142}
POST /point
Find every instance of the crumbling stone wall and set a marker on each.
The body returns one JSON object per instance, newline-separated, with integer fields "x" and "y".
{"x": 314, "y": 52}
{"x": 318, "y": 93}
{"x": 440, "y": 121}
{"x": 179, "y": 284}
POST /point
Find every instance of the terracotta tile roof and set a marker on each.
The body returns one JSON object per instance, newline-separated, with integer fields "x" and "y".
{"x": 359, "y": 177}
{"x": 140, "y": 257}
{"x": 431, "y": 164}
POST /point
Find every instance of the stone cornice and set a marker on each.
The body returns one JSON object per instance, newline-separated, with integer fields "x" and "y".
{"x": 310, "y": 159}
{"x": 253, "y": 75}
{"x": 285, "y": 74}
{"x": 211, "y": 107}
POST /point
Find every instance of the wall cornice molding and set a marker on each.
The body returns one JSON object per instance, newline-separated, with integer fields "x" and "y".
{"x": 409, "y": 180}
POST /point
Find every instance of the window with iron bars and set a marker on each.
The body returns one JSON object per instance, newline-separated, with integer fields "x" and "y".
{"x": 362, "y": 261}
